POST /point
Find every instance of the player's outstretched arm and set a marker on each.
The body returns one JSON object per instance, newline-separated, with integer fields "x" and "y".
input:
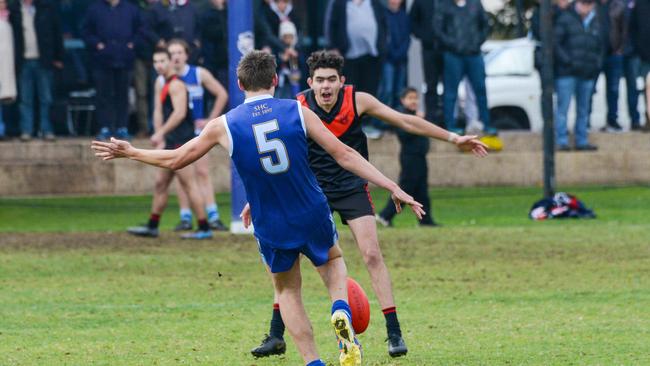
{"x": 213, "y": 134}
{"x": 368, "y": 104}
{"x": 351, "y": 160}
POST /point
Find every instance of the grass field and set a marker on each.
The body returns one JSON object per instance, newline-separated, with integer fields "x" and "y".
{"x": 490, "y": 287}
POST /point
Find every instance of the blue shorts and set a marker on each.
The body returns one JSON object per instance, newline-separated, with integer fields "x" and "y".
{"x": 316, "y": 248}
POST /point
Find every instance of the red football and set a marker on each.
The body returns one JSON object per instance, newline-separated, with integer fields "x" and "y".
{"x": 359, "y": 305}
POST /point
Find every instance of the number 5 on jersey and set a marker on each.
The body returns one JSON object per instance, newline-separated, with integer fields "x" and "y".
{"x": 264, "y": 145}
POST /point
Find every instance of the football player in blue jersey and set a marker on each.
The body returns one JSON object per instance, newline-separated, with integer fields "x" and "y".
{"x": 340, "y": 108}
{"x": 198, "y": 81}
{"x": 267, "y": 141}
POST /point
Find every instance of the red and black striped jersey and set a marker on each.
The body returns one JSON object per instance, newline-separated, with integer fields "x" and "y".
{"x": 345, "y": 123}
{"x": 183, "y": 131}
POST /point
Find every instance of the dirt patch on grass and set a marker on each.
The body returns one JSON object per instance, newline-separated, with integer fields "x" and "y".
{"x": 114, "y": 240}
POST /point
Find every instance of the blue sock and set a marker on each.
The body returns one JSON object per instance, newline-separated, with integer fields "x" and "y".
{"x": 342, "y": 305}
{"x": 318, "y": 362}
{"x": 212, "y": 211}
{"x": 186, "y": 214}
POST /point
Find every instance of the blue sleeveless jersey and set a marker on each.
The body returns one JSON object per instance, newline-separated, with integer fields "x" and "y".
{"x": 192, "y": 81}
{"x": 269, "y": 150}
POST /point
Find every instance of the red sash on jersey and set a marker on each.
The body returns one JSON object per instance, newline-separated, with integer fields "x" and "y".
{"x": 165, "y": 90}
{"x": 346, "y": 115}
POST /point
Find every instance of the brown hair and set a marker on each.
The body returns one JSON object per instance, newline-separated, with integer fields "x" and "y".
{"x": 181, "y": 42}
{"x": 164, "y": 50}
{"x": 256, "y": 71}
{"x": 325, "y": 60}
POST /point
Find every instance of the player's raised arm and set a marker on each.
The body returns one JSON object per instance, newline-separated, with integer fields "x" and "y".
{"x": 351, "y": 160}
{"x": 367, "y": 104}
{"x": 214, "y": 133}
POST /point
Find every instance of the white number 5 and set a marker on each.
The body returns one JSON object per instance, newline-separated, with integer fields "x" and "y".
{"x": 265, "y": 145}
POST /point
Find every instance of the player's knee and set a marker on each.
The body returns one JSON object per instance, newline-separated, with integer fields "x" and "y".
{"x": 187, "y": 184}
{"x": 372, "y": 256}
{"x": 160, "y": 186}
{"x": 288, "y": 292}
{"x": 202, "y": 172}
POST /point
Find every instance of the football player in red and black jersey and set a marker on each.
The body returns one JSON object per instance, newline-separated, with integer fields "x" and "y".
{"x": 340, "y": 108}
{"x": 173, "y": 126}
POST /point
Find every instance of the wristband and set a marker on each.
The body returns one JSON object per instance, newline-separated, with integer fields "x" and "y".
{"x": 452, "y": 137}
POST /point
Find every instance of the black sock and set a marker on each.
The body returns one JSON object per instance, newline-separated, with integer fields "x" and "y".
{"x": 154, "y": 220}
{"x": 392, "y": 324}
{"x": 203, "y": 225}
{"x": 277, "y": 325}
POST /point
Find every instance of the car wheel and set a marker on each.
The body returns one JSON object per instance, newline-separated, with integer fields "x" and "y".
{"x": 510, "y": 119}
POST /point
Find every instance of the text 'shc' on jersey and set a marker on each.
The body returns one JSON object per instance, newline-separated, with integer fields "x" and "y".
{"x": 344, "y": 122}
{"x": 269, "y": 150}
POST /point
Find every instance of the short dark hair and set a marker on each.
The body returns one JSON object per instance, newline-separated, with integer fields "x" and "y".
{"x": 256, "y": 70}
{"x": 164, "y": 50}
{"x": 406, "y": 91}
{"x": 181, "y": 42}
{"x": 325, "y": 60}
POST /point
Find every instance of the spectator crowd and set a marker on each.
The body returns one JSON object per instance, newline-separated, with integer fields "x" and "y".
{"x": 592, "y": 37}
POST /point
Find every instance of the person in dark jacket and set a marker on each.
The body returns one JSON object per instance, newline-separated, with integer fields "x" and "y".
{"x": 142, "y": 74}
{"x": 177, "y": 19}
{"x": 393, "y": 77}
{"x": 357, "y": 30}
{"x": 619, "y": 60}
{"x": 214, "y": 40}
{"x": 38, "y": 50}
{"x": 535, "y": 24}
{"x": 640, "y": 33}
{"x": 413, "y": 161}
{"x": 462, "y": 27}
{"x": 421, "y": 15}
{"x": 278, "y": 11}
{"x": 578, "y": 60}
{"x": 110, "y": 31}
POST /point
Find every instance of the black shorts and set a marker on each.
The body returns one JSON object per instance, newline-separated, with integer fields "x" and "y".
{"x": 352, "y": 205}
{"x": 174, "y": 144}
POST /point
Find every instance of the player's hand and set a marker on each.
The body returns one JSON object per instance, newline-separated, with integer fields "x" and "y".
{"x": 471, "y": 142}
{"x": 112, "y": 150}
{"x": 245, "y": 216}
{"x": 157, "y": 139}
{"x": 399, "y": 196}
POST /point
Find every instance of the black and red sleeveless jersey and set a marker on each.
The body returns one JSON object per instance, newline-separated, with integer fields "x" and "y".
{"x": 183, "y": 131}
{"x": 344, "y": 122}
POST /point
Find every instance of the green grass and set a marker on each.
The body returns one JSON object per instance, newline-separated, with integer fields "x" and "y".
{"x": 488, "y": 288}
